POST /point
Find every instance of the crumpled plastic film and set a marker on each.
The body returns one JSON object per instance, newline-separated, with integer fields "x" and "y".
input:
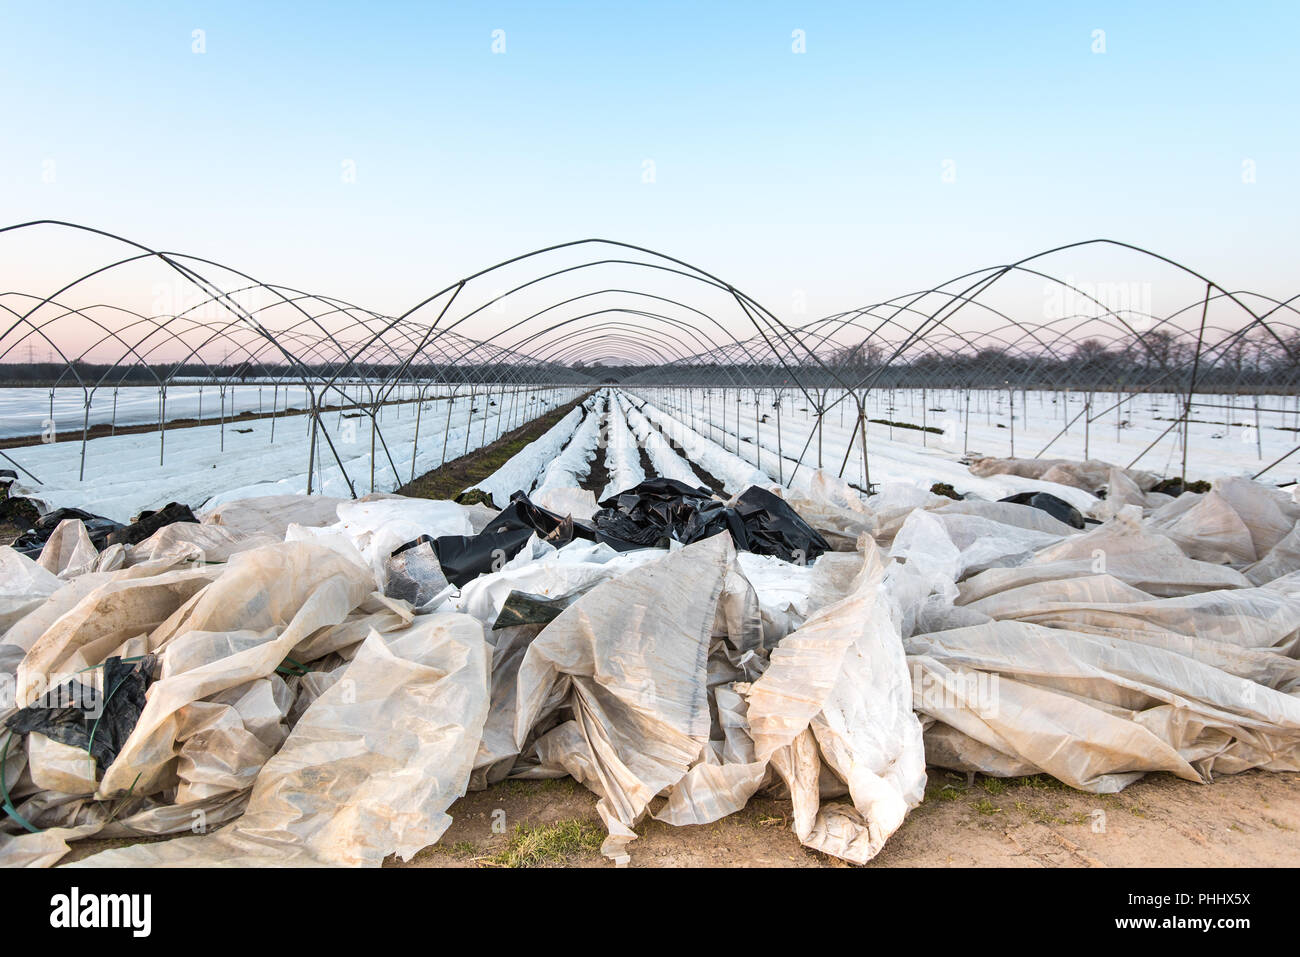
{"x": 630, "y": 658}
{"x": 369, "y": 770}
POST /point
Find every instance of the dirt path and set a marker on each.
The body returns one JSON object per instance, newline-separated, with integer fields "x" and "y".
{"x": 1244, "y": 819}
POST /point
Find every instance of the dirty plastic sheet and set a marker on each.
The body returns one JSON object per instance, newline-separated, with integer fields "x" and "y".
{"x": 578, "y": 503}
{"x": 523, "y": 608}
{"x": 98, "y": 529}
{"x": 1088, "y": 475}
{"x": 149, "y": 522}
{"x": 831, "y": 506}
{"x": 628, "y": 660}
{"x": 273, "y": 514}
{"x": 413, "y": 574}
{"x": 24, "y": 586}
{"x": 186, "y": 541}
{"x": 1096, "y": 711}
{"x": 1259, "y": 618}
{"x": 369, "y": 770}
{"x": 836, "y": 697}
{"x": 379, "y": 527}
{"x": 69, "y": 552}
{"x": 1122, "y": 547}
{"x": 128, "y": 604}
{"x": 1059, "y": 509}
{"x": 239, "y": 628}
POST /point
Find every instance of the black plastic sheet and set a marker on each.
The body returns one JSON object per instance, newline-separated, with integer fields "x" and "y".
{"x": 1053, "y": 506}
{"x": 149, "y": 522}
{"x": 99, "y": 529}
{"x": 93, "y": 719}
{"x": 661, "y": 510}
{"x": 464, "y": 557}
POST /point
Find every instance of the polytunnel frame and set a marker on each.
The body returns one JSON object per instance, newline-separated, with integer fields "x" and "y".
{"x": 385, "y": 354}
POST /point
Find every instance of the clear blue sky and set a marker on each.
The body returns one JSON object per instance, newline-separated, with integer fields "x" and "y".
{"x": 819, "y": 171}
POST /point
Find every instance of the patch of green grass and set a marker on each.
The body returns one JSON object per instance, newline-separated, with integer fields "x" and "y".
{"x": 518, "y": 786}
{"x": 994, "y": 786}
{"x": 908, "y": 425}
{"x": 985, "y": 806}
{"x": 541, "y": 844}
{"x": 1038, "y": 782}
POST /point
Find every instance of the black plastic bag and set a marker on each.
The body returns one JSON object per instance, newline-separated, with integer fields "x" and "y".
{"x": 149, "y": 522}
{"x": 95, "y": 720}
{"x": 1049, "y": 503}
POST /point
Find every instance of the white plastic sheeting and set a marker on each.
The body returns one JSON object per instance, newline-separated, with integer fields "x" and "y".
{"x": 665, "y": 461}
{"x": 622, "y": 458}
{"x": 570, "y": 467}
{"x": 522, "y": 469}
{"x": 333, "y": 725}
{"x": 731, "y": 470}
{"x": 1133, "y": 647}
{"x": 368, "y": 771}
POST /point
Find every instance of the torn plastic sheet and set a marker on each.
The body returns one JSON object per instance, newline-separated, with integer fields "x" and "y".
{"x": 370, "y": 768}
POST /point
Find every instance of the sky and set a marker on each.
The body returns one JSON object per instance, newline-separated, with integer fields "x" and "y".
{"x": 833, "y": 154}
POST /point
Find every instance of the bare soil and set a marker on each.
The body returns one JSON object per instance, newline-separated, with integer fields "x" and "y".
{"x": 1249, "y": 819}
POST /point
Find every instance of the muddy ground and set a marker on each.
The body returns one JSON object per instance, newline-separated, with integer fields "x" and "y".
{"x": 1249, "y": 819}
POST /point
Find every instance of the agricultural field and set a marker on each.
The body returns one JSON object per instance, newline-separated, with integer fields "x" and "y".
{"x": 853, "y": 593}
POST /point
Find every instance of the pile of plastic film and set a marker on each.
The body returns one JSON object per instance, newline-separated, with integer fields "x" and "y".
{"x": 297, "y": 680}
